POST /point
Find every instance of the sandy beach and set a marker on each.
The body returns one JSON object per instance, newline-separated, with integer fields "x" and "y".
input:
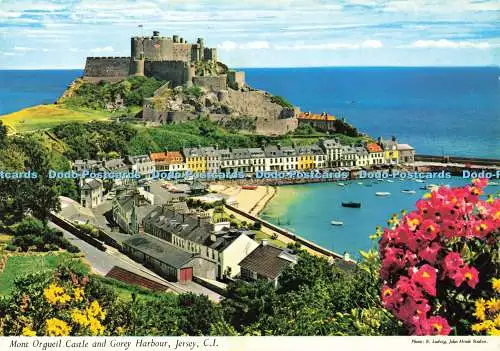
{"x": 253, "y": 202}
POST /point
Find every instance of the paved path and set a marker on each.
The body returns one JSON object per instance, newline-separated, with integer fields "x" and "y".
{"x": 102, "y": 262}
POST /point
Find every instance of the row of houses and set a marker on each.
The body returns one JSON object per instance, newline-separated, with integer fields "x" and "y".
{"x": 328, "y": 153}
{"x": 181, "y": 243}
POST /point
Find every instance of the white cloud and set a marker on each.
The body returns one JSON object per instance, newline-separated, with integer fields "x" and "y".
{"x": 448, "y": 44}
{"x": 367, "y": 44}
{"x": 103, "y": 49}
{"x": 252, "y": 45}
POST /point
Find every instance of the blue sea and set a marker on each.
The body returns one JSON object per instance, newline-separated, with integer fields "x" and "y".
{"x": 308, "y": 209}
{"x": 455, "y": 111}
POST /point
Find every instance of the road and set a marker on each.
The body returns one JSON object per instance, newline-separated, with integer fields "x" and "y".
{"x": 102, "y": 262}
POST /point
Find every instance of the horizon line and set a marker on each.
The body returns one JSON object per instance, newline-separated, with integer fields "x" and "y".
{"x": 272, "y": 67}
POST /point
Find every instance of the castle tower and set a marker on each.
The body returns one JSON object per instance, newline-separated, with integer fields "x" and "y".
{"x": 137, "y": 67}
{"x": 201, "y": 49}
{"x": 189, "y": 72}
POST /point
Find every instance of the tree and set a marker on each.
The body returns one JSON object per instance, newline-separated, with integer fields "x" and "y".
{"x": 3, "y": 133}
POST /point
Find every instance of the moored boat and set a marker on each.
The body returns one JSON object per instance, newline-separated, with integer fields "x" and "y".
{"x": 249, "y": 187}
{"x": 420, "y": 180}
{"x": 407, "y": 191}
{"x": 351, "y": 204}
{"x": 382, "y": 193}
{"x": 337, "y": 223}
{"x": 340, "y": 184}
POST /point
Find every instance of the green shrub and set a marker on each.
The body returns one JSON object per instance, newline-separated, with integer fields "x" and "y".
{"x": 281, "y": 101}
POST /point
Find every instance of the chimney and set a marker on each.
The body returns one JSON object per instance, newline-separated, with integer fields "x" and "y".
{"x": 213, "y": 238}
{"x": 263, "y": 242}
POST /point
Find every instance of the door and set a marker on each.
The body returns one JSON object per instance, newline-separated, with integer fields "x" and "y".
{"x": 186, "y": 274}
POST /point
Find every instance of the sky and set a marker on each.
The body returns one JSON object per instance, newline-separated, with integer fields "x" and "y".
{"x": 257, "y": 33}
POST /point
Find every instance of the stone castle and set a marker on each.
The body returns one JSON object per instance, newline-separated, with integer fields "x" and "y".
{"x": 166, "y": 58}
{"x": 183, "y": 64}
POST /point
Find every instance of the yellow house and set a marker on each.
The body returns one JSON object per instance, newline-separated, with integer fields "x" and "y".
{"x": 305, "y": 158}
{"x": 391, "y": 153}
{"x": 196, "y": 160}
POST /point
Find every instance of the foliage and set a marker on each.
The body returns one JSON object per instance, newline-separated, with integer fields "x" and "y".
{"x": 313, "y": 297}
{"x": 281, "y": 101}
{"x": 33, "y": 235}
{"x": 39, "y": 193}
{"x": 438, "y": 261}
{"x": 194, "y": 91}
{"x": 98, "y": 96}
{"x": 91, "y": 140}
{"x": 204, "y": 205}
{"x": 240, "y": 123}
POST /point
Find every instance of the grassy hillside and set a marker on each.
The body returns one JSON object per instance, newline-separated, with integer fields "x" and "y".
{"x": 48, "y": 116}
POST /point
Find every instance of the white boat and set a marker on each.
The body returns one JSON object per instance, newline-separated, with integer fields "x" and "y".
{"x": 337, "y": 223}
{"x": 408, "y": 191}
{"x": 382, "y": 193}
{"x": 420, "y": 180}
{"x": 340, "y": 184}
{"x": 390, "y": 181}
{"x": 360, "y": 183}
{"x": 493, "y": 183}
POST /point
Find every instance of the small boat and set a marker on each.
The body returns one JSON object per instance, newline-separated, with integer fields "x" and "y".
{"x": 380, "y": 180}
{"x": 407, "y": 191}
{"x": 351, "y": 204}
{"x": 337, "y": 223}
{"x": 493, "y": 183}
{"x": 340, "y": 184}
{"x": 249, "y": 187}
{"x": 420, "y": 180}
{"x": 390, "y": 181}
{"x": 382, "y": 193}
{"x": 360, "y": 183}
{"x": 432, "y": 186}
{"x": 423, "y": 188}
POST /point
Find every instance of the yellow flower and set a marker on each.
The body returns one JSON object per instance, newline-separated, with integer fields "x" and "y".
{"x": 79, "y": 318}
{"x": 480, "y": 310}
{"x": 94, "y": 310}
{"x": 497, "y": 320}
{"x": 496, "y": 284}
{"x": 494, "y": 332}
{"x": 27, "y": 331}
{"x": 96, "y": 328}
{"x": 57, "y": 327}
{"x": 120, "y": 331}
{"x": 78, "y": 293}
{"x": 55, "y": 294}
{"x": 493, "y": 305}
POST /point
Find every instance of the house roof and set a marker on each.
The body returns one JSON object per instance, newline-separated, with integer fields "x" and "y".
{"x": 159, "y": 249}
{"x": 405, "y": 147}
{"x": 374, "y": 147}
{"x": 138, "y": 159}
{"x": 91, "y": 184}
{"x": 267, "y": 260}
{"x": 167, "y": 157}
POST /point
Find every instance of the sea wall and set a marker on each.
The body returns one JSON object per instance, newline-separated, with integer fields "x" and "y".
{"x": 107, "y": 68}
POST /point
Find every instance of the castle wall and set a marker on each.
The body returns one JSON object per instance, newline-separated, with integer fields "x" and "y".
{"x": 213, "y": 83}
{"x": 173, "y": 71}
{"x": 161, "y": 49}
{"x": 210, "y": 54}
{"x": 236, "y": 79}
{"x": 278, "y": 127}
{"x": 107, "y": 68}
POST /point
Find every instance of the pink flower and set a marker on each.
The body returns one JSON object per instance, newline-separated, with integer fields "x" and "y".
{"x": 452, "y": 262}
{"x": 438, "y": 326}
{"x": 430, "y": 252}
{"x": 471, "y": 276}
{"x": 426, "y": 278}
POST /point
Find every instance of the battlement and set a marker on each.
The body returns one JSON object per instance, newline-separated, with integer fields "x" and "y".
{"x": 107, "y": 57}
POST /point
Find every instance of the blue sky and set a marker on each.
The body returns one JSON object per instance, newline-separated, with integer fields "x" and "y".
{"x": 257, "y": 33}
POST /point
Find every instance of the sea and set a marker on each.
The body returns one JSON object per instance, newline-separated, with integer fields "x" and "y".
{"x": 450, "y": 111}
{"x": 439, "y": 111}
{"x": 308, "y": 209}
